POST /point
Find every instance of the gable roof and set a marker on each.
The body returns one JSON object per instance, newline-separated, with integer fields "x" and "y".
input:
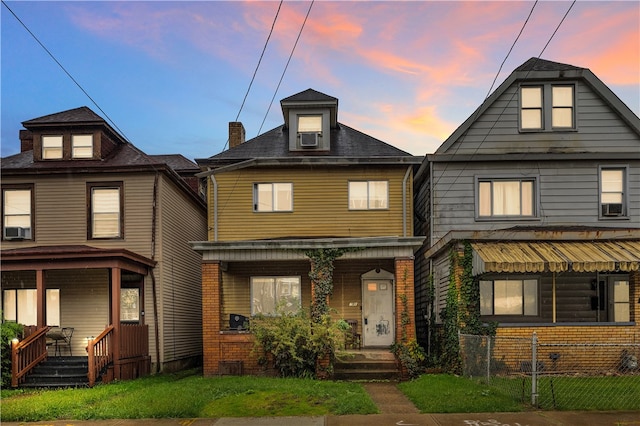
{"x": 309, "y": 95}
{"x": 541, "y": 69}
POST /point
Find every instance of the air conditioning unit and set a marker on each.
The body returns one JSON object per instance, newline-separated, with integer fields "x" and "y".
{"x": 614, "y": 209}
{"x": 14, "y": 233}
{"x": 308, "y": 139}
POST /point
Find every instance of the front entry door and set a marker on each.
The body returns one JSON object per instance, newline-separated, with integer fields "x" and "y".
{"x": 377, "y": 313}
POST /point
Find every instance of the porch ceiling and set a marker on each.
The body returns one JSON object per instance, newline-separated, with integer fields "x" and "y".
{"x": 556, "y": 256}
{"x": 73, "y": 257}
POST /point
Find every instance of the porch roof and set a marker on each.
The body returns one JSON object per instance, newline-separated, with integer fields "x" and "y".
{"x": 73, "y": 257}
{"x": 556, "y": 256}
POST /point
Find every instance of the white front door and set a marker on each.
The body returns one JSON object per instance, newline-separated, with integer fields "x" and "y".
{"x": 378, "y": 326}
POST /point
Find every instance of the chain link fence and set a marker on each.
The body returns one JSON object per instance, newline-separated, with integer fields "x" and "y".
{"x": 562, "y": 376}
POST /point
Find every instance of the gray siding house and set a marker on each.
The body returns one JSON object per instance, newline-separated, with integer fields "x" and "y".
{"x": 541, "y": 184}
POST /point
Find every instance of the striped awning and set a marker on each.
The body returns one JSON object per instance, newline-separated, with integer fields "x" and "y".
{"x": 556, "y": 256}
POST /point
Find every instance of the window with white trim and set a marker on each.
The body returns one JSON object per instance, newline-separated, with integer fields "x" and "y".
{"x": 105, "y": 210}
{"x": 506, "y": 198}
{"x": 547, "y": 107}
{"x": 274, "y": 295}
{"x": 82, "y": 146}
{"x": 612, "y": 192}
{"x": 368, "y": 195}
{"x": 17, "y": 213}
{"x": 52, "y": 147}
{"x": 21, "y": 306}
{"x": 272, "y": 197}
{"x": 509, "y": 297}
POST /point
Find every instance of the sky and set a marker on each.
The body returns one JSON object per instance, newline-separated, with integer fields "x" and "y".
{"x": 171, "y": 75}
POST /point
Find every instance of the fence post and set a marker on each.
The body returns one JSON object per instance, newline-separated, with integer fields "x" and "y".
{"x": 534, "y": 370}
{"x": 488, "y": 359}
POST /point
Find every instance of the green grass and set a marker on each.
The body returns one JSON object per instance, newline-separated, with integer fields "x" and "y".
{"x": 188, "y": 396}
{"x": 443, "y": 393}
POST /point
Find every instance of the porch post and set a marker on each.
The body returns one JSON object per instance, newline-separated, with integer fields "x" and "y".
{"x": 405, "y": 299}
{"x": 41, "y": 294}
{"x": 116, "y": 279}
{"x": 211, "y": 309}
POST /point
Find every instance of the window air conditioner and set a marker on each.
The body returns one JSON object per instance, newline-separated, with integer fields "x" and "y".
{"x": 308, "y": 139}
{"x": 612, "y": 209}
{"x": 14, "y": 233}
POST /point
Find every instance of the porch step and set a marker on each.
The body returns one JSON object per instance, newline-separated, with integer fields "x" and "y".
{"x": 59, "y": 372}
{"x": 365, "y": 365}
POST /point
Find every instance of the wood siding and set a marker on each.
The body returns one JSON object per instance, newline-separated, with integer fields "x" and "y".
{"x": 320, "y": 204}
{"x": 568, "y": 194}
{"x": 599, "y": 129}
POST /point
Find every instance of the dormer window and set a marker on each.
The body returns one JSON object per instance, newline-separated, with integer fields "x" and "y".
{"x": 309, "y": 130}
{"x": 82, "y": 146}
{"x": 52, "y": 147}
{"x": 547, "y": 107}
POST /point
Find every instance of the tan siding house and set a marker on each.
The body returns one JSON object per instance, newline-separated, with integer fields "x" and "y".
{"x": 102, "y": 230}
{"x": 298, "y": 188}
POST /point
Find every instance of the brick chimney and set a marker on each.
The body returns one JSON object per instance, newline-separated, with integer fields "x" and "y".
{"x": 236, "y": 134}
{"x": 26, "y": 140}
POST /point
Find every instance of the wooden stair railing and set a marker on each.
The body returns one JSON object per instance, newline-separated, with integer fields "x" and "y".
{"x": 100, "y": 354}
{"x": 26, "y": 354}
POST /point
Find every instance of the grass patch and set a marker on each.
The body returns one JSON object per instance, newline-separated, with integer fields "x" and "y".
{"x": 443, "y": 393}
{"x": 188, "y": 396}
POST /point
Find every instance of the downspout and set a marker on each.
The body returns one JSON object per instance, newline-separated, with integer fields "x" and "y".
{"x": 154, "y": 213}
{"x": 404, "y": 201}
{"x": 215, "y": 207}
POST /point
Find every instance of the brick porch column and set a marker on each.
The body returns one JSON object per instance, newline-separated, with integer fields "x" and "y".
{"x": 634, "y": 295}
{"x": 211, "y": 285}
{"x": 404, "y": 288}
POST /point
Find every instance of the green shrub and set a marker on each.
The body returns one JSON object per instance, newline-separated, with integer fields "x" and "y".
{"x": 294, "y": 343}
{"x": 8, "y": 331}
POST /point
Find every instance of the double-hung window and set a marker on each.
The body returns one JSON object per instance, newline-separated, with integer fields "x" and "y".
{"x": 273, "y": 197}
{"x": 82, "y": 146}
{"x": 52, "y": 147}
{"x": 368, "y": 195}
{"x": 509, "y": 297}
{"x": 17, "y": 213}
{"x": 506, "y": 198}
{"x": 105, "y": 210}
{"x": 547, "y": 107}
{"x": 21, "y": 306}
{"x": 275, "y": 295}
{"x": 612, "y": 192}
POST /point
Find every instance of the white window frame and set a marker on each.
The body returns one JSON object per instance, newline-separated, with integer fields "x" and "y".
{"x": 270, "y": 197}
{"x": 608, "y": 194}
{"x": 552, "y": 106}
{"x": 18, "y": 215}
{"x": 523, "y": 301}
{"x": 493, "y": 212}
{"x": 101, "y": 212}
{"x": 271, "y": 295}
{"x": 20, "y": 305}
{"x": 362, "y": 195}
{"x": 52, "y": 147}
{"x": 82, "y": 146}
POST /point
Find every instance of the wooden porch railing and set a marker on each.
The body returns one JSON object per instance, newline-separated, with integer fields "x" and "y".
{"x": 27, "y": 353}
{"x": 100, "y": 354}
{"x": 134, "y": 340}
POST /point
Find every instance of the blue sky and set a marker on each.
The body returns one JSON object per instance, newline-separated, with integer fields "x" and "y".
{"x": 171, "y": 75}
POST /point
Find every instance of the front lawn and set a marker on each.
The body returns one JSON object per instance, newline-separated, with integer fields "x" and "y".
{"x": 188, "y": 396}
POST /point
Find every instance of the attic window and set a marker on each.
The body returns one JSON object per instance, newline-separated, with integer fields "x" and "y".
{"x": 309, "y": 130}
{"x": 52, "y": 147}
{"x": 82, "y": 146}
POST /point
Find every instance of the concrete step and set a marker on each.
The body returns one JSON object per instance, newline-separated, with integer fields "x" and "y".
{"x": 365, "y": 365}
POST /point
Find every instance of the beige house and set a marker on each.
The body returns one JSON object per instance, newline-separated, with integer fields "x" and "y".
{"x": 312, "y": 183}
{"x": 94, "y": 240}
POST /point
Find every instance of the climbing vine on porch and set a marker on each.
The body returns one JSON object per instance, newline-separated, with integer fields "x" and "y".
{"x": 321, "y": 275}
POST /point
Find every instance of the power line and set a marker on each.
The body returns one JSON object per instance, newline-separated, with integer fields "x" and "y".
{"x": 65, "y": 71}
{"x": 286, "y": 66}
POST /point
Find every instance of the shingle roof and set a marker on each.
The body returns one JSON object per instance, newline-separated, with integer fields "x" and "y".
{"x": 537, "y": 64}
{"x": 175, "y": 161}
{"x": 309, "y": 95}
{"x": 81, "y": 115}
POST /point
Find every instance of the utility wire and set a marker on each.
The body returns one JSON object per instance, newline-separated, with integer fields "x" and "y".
{"x": 286, "y": 66}
{"x": 65, "y": 70}
{"x": 257, "y": 66}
